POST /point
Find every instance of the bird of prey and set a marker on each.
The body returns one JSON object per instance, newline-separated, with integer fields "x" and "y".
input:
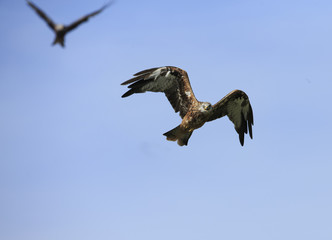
{"x": 174, "y": 82}
{"x": 61, "y": 30}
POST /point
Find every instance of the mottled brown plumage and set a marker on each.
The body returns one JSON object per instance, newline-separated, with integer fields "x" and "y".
{"x": 59, "y": 29}
{"x": 174, "y": 82}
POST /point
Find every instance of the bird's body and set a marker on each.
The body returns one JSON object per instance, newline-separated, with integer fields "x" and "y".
{"x": 197, "y": 116}
{"x": 61, "y": 30}
{"x": 191, "y": 121}
{"x": 174, "y": 82}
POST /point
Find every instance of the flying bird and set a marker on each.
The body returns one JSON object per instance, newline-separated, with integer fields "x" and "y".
{"x": 61, "y": 30}
{"x": 174, "y": 82}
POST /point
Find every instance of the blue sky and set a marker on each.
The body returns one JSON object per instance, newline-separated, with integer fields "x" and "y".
{"x": 80, "y": 162}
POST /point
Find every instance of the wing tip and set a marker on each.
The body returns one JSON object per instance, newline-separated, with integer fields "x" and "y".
{"x": 241, "y": 138}
{"x": 133, "y": 81}
{"x": 125, "y": 82}
{"x": 146, "y": 71}
{"x": 30, "y": 4}
{"x": 250, "y": 124}
{"x": 127, "y": 94}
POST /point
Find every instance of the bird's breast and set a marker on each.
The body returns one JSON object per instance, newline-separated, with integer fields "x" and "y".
{"x": 193, "y": 120}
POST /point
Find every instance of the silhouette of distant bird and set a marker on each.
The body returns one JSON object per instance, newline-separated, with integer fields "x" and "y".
{"x": 61, "y": 30}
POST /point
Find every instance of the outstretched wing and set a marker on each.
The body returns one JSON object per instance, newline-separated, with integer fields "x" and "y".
{"x": 84, "y": 18}
{"x": 173, "y": 81}
{"x": 237, "y": 107}
{"x": 49, "y": 21}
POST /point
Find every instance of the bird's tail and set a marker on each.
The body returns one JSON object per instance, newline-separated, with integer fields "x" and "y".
{"x": 61, "y": 41}
{"x": 179, "y": 134}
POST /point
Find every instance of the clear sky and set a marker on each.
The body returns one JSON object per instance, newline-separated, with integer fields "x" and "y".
{"x": 79, "y": 162}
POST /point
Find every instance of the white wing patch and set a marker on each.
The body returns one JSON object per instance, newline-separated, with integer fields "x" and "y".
{"x": 161, "y": 82}
{"x": 156, "y": 73}
{"x": 188, "y": 93}
{"x": 168, "y": 73}
{"x": 59, "y": 27}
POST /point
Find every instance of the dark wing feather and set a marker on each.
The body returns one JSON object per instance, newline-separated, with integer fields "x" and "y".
{"x": 84, "y": 18}
{"x": 49, "y": 21}
{"x": 237, "y": 107}
{"x": 145, "y": 71}
{"x": 173, "y": 81}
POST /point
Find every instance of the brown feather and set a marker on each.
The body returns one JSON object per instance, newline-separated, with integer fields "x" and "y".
{"x": 43, "y": 15}
{"x": 134, "y": 79}
{"x": 223, "y": 107}
{"x": 173, "y": 81}
{"x": 150, "y": 70}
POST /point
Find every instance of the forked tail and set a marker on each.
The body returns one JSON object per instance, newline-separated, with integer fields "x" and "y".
{"x": 59, "y": 40}
{"x": 179, "y": 134}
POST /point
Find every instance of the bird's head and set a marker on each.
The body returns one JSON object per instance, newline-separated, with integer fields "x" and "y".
{"x": 59, "y": 27}
{"x": 205, "y": 107}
